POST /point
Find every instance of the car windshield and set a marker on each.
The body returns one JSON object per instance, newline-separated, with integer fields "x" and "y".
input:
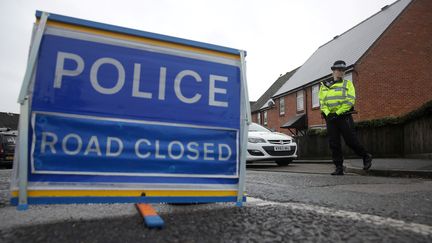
{"x": 253, "y": 127}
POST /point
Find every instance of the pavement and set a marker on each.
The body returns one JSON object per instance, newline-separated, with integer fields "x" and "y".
{"x": 393, "y": 167}
{"x": 302, "y": 168}
{"x": 390, "y": 167}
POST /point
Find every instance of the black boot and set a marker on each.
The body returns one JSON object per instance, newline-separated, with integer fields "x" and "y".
{"x": 339, "y": 170}
{"x": 367, "y": 162}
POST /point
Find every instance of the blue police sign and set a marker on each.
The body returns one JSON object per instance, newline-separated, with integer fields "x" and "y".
{"x": 115, "y": 109}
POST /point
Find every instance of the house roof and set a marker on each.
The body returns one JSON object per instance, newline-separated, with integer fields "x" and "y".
{"x": 349, "y": 46}
{"x": 262, "y": 102}
{"x": 9, "y": 120}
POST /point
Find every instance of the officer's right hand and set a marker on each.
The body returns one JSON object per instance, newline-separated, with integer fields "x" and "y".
{"x": 331, "y": 116}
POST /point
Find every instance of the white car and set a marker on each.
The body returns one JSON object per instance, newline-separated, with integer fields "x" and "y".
{"x": 265, "y": 145}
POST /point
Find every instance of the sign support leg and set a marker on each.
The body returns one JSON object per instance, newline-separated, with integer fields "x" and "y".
{"x": 245, "y": 117}
{"x": 23, "y": 155}
{"x": 23, "y": 99}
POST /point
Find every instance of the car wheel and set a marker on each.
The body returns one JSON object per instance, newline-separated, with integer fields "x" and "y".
{"x": 283, "y": 162}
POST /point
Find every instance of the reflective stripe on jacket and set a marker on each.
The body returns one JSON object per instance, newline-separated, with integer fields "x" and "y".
{"x": 338, "y": 98}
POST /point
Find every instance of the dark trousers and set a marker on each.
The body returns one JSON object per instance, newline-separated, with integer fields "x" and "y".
{"x": 343, "y": 125}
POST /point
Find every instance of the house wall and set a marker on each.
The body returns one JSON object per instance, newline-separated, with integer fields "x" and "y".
{"x": 275, "y": 120}
{"x": 313, "y": 114}
{"x": 290, "y": 110}
{"x": 394, "y": 76}
{"x": 255, "y": 117}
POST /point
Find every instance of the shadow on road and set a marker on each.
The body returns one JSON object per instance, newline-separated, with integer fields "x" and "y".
{"x": 261, "y": 165}
{"x": 308, "y": 168}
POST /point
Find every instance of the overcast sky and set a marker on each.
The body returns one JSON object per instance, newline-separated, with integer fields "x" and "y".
{"x": 278, "y": 35}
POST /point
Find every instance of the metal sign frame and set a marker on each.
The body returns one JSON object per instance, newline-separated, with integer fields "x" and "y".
{"x": 19, "y": 185}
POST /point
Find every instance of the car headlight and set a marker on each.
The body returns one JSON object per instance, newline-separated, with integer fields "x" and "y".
{"x": 256, "y": 140}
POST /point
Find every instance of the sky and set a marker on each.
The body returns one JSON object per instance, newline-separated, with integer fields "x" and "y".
{"x": 278, "y": 35}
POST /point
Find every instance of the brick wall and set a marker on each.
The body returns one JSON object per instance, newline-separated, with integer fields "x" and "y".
{"x": 395, "y": 76}
{"x": 273, "y": 117}
{"x": 314, "y": 114}
{"x": 275, "y": 120}
{"x": 255, "y": 117}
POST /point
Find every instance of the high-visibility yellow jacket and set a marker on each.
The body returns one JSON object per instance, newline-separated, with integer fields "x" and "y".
{"x": 338, "y": 98}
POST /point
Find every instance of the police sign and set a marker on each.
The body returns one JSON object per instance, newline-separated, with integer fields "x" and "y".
{"x": 115, "y": 114}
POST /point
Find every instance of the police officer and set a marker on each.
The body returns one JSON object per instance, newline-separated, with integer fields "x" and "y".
{"x": 337, "y": 99}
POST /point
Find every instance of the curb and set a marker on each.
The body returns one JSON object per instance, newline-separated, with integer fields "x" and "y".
{"x": 311, "y": 162}
{"x": 295, "y": 172}
{"x": 424, "y": 174}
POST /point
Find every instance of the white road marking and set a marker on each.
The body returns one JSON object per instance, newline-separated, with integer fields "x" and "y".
{"x": 367, "y": 218}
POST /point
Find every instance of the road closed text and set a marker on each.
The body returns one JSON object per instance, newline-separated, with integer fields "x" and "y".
{"x": 89, "y": 144}
{"x": 73, "y": 144}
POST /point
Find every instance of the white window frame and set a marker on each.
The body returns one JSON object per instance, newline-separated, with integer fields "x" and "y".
{"x": 300, "y": 100}
{"x": 265, "y": 118}
{"x": 259, "y": 118}
{"x": 315, "y": 94}
{"x": 282, "y": 106}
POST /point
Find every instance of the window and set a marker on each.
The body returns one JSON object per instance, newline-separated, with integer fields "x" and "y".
{"x": 259, "y": 118}
{"x": 281, "y": 106}
{"x": 265, "y": 118}
{"x": 315, "y": 98}
{"x": 300, "y": 101}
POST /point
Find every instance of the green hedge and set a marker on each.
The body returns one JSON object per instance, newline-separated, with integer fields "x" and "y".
{"x": 317, "y": 132}
{"x": 423, "y": 111}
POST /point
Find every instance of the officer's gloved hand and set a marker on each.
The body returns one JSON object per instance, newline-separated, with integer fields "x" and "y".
{"x": 331, "y": 116}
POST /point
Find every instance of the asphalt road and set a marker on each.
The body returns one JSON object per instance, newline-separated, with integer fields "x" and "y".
{"x": 298, "y": 203}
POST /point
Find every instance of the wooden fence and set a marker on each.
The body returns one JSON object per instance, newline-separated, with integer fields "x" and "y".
{"x": 409, "y": 139}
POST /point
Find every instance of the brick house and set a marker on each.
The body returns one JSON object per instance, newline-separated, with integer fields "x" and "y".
{"x": 262, "y": 110}
{"x": 389, "y": 59}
